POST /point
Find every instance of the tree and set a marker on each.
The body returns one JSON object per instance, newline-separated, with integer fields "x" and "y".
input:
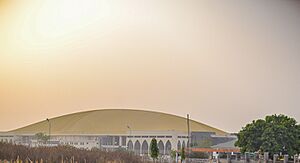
{"x": 173, "y": 154}
{"x": 274, "y": 134}
{"x": 42, "y": 138}
{"x": 154, "y": 149}
{"x": 182, "y": 154}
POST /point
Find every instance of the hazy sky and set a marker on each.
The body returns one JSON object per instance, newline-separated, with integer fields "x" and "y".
{"x": 223, "y": 62}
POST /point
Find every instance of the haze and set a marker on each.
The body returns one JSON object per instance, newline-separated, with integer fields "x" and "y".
{"x": 223, "y": 62}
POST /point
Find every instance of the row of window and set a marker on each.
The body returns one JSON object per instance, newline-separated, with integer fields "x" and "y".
{"x": 6, "y": 140}
{"x": 149, "y": 136}
{"x": 156, "y": 136}
{"x": 113, "y": 140}
{"x": 74, "y": 143}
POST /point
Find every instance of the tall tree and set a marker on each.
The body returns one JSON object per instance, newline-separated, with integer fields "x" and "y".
{"x": 274, "y": 134}
{"x": 182, "y": 154}
{"x": 154, "y": 149}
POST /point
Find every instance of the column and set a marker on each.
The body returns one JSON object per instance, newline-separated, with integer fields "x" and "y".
{"x": 266, "y": 157}
{"x": 285, "y": 158}
{"x": 141, "y": 148}
{"x": 228, "y": 158}
{"x": 247, "y": 158}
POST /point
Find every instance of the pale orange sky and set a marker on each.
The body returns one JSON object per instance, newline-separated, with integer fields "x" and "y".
{"x": 223, "y": 62}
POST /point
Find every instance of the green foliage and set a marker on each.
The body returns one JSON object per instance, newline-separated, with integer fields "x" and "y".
{"x": 274, "y": 134}
{"x": 173, "y": 154}
{"x": 182, "y": 154}
{"x": 250, "y": 137}
{"x": 154, "y": 149}
{"x": 41, "y": 137}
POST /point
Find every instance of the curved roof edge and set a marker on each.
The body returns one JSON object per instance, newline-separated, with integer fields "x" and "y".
{"x": 219, "y": 132}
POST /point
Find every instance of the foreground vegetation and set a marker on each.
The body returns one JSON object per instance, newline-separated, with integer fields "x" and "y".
{"x": 64, "y": 153}
{"x": 276, "y": 134}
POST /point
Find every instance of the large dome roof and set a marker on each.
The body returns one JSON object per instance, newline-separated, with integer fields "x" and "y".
{"x": 114, "y": 121}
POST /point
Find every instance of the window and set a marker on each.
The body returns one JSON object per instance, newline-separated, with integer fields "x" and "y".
{"x": 116, "y": 140}
{"x": 123, "y": 140}
{"x": 107, "y": 140}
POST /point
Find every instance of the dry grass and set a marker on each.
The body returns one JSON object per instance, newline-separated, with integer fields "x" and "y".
{"x": 64, "y": 153}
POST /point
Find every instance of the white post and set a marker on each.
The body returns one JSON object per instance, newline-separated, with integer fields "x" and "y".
{"x": 285, "y": 158}
{"x": 141, "y": 147}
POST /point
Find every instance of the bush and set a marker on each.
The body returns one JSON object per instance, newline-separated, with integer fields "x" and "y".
{"x": 67, "y": 153}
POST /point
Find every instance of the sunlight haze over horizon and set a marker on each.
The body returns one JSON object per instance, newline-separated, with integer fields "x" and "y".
{"x": 223, "y": 62}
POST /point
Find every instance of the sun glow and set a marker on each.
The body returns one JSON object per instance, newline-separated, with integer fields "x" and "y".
{"x": 59, "y": 18}
{"x": 57, "y": 55}
{"x": 46, "y": 24}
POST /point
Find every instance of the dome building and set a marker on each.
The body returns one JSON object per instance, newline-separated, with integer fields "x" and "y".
{"x": 111, "y": 129}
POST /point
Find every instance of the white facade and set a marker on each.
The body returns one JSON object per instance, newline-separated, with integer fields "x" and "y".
{"x": 136, "y": 141}
{"x": 7, "y": 138}
{"x": 140, "y": 141}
